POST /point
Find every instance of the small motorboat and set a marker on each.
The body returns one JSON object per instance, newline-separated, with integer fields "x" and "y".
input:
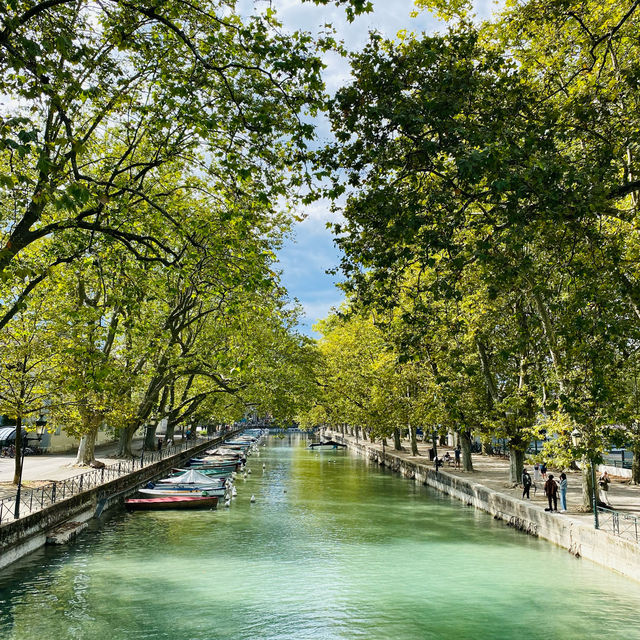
{"x": 171, "y": 502}
{"x": 213, "y": 461}
{"x": 168, "y": 490}
{"x": 221, "y": 452}
{"x": 327, "y": 444}
{"x": 214, "y": 473}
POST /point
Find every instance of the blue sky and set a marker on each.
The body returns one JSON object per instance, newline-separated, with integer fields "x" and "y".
{"x": 310, "y": 251}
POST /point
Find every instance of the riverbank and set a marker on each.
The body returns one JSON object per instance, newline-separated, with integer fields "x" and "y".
{"x": 487, "y": 488}
{"x": 25, "y": 534}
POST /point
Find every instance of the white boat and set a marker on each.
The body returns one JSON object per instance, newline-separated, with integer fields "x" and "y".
{"x": 190, "y": 481}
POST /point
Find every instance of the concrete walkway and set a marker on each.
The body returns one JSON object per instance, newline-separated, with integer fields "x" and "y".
{"x": 493, "y": 472}
{"x": 45, "y": 468}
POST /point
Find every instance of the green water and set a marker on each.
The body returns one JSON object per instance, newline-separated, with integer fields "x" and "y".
{"x": 333, "y": 548}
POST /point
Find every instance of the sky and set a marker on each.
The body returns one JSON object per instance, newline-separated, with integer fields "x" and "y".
{"x": 310, "y": 251}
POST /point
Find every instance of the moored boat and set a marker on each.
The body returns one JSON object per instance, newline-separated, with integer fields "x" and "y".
{"x": 215, "y": 472}
{"x": 178, "y": 491}
{"x": 171, "y": 502}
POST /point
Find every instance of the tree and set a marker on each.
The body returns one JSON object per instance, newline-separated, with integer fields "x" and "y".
{"x": 29, "y": 368}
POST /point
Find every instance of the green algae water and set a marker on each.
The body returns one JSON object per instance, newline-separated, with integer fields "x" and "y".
{"x": 333, "y": 548}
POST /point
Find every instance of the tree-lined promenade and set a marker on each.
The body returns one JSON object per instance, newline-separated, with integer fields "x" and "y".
{"x": 151, "y": 155}
{"x": 154, "y": 155}
{"x": 490, "y": 234}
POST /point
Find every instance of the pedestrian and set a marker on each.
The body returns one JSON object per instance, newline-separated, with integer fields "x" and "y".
{"x": 551, "y": 491}
{"x": 526, "y": 483}
{"x": 543, "y": 470}
{"x": 563, "y": 492}
{"x": 603, "y": 483}
{"x": 536, "y": 472}
{"x": 456, "y": 453}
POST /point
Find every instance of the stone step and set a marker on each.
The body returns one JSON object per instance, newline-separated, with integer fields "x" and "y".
{"x": 65, "y": 532}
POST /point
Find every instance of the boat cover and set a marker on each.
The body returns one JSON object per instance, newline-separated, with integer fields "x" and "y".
{"x": 189, "y": 477}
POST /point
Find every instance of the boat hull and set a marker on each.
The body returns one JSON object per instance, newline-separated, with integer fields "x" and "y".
{"x": 171, "y": 502}
{"x": 159, "y": 493}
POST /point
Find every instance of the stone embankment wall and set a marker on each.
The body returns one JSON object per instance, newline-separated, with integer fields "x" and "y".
{"x": 22, "y": 536}
{"x": 577, "y": 537}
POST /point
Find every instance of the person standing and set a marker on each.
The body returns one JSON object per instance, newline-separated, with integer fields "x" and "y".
{"x": 563, "y": 492}
{"x": 543, "y": 470}
{"x": 603, "y": 482}
{"x": 457, "y": 453}
{"x": 551, "y": 491}
{"x": 536, "y": 472}
{"x": 526, "y": 483}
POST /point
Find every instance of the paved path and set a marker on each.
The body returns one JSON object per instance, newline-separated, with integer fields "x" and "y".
{"x": 493, "y": 472}
{"x": 45, "y": 468}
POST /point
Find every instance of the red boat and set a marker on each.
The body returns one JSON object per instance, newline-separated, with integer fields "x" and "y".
{"x": 172, "y": 502}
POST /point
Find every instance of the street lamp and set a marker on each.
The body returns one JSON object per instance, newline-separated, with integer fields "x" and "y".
{"x": 577, "y": 439}
{"x": 23, "y": 442}
{"x": 40, "y": 423}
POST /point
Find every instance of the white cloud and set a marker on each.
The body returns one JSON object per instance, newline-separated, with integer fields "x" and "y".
{"x": 310, "y": 251}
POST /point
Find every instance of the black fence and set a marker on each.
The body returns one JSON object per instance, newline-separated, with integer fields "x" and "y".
{"x": 619, "y": 524}
{"x": 35, "y": 499}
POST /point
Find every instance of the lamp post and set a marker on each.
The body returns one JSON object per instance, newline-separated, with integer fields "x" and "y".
{"x": 23, "y": 444}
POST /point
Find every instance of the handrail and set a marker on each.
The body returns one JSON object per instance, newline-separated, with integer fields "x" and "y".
{"x": 35, "y": 499}
{"x": 624, "y": 525}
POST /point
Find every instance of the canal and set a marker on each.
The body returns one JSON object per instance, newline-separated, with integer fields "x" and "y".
{"x": 332, "y": 548}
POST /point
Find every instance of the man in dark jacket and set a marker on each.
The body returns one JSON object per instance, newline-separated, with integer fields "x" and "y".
{"x": 551, "y": 491}
{"x": 526, "y": 483}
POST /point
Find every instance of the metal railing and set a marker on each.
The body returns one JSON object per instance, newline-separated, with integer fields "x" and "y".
{"x": 620, "y": 524}
{"x": 37, "y": 498}
{"x": 622, "y": 464}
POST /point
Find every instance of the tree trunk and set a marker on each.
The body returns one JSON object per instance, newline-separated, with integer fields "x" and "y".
{"x": 150, "y": 436}
{"x": 17, "y": 473}
{"x": 587, "y": 485}
{"x": 124, "y": 446}
{"x": 465, "y": 444}
{"x": 397, "y": 445}
{"x": 516, "y": 461}
{"x": 635, "y": 466}
{"x": 87, "y": 447}
{"x": 171, "y": 429}
{"x": 357, "y": 433}
{"x": 414, "y": 441}
{"x": 371, "y": 436}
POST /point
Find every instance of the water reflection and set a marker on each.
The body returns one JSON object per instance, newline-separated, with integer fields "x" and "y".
{"x": 333, "y": 548}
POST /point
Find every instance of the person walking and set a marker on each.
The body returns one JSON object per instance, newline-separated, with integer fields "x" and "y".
{"x": 536, "y": 472}
{"x": 551, "y": 491}
{"x": 526, "y": 484}
{"x": 457, "y": 453}
{"x": 603, "y": 483}
{"x": 543, "y": 470}
{"x": 563, "y": 492}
